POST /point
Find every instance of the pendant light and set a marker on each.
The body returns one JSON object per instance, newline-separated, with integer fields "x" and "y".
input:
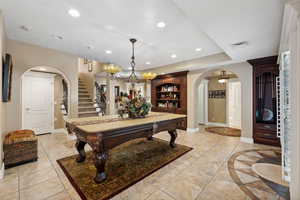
{"x": 223, "y": 78}
{"x": 133, "y": 77}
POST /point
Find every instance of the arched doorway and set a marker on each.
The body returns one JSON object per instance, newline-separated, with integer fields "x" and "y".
{"x": 219, "y": 99}
{"x": 45, "y": 99}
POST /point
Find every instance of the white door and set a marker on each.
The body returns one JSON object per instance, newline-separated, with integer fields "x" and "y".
{"x": 37, "y": 102}
{"x": 234, "y": 104}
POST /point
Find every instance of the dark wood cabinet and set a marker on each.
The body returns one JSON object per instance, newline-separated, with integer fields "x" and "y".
{"x": 169, "y": 94}
{"x": 265, "y": 72}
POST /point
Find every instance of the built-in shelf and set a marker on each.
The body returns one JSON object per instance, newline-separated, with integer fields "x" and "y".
{"x": 265, "y": 73}
{"x": 169, "y": 94}
{"x": 168, "y": 99}
{"x": 168, "y": 91}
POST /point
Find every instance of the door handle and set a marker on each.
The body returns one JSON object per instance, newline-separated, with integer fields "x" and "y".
{"x": 27, "y": 109}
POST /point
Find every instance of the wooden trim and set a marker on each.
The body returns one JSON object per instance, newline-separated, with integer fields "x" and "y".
{"x": 260, "y": 65}
{"x": 271, "y": 60}
{"x": 179, "y": 79}
{"x": 183, "y": 73}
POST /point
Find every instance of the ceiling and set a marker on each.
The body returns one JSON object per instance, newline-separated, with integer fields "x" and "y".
{"x": 212, "y": 25}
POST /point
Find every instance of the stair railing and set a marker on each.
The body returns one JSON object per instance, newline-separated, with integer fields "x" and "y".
{"x": 100, "y": 98}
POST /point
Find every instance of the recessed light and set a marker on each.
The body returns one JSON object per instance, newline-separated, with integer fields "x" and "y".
{"x": 173, "y": 56}
{"x": 198, "y": 49}
{"x": 42, "y": 69}
{"x": 74, "y": 13}
{"x": 148, "y": 63}
{"x": 108, "y": 51}
{"x": 109, "y": 27}
{"x": 161, "y": 24}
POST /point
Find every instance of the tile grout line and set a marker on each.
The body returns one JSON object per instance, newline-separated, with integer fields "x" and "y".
{"x": 216, "y": 173}
{"x": 211, "y": 178}
{"x": 19, "y": 187}
{"x": 64, "y": 188}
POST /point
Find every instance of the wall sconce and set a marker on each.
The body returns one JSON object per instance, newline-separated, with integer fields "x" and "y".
{"x": 89, "y": 64}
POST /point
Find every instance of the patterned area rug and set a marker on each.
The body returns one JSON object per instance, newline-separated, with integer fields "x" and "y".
{"x": 255, "y": 187}
{"x": 127, "y": 164}
{"x": 224, "y": 131}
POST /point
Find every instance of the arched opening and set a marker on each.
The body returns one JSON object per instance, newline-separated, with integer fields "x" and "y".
{"x": 218, "y": 102}
{"x": 45, "y": 99}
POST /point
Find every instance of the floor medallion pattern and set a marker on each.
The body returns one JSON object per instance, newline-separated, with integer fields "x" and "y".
{"x": 255, "y": 187}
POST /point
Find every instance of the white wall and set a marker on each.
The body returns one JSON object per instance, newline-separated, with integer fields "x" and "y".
{"x": 26, "y": 56}
{"x": 290, "y": 40}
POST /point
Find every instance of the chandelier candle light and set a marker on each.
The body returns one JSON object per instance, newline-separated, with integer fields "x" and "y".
{"x": 112, "y": 69}
{"x": 149, "y": 75}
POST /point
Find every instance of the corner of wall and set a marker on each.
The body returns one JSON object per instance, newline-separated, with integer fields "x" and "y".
{"x": 2, "y": 106}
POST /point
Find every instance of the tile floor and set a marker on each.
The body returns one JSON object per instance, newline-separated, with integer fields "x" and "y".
{"x": 200, "y": 174}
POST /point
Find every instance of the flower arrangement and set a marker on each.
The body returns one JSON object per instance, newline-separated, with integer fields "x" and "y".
{"x": 137, "y": 107}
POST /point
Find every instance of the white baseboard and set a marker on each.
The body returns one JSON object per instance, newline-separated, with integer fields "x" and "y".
{"x": 192, "y": 130}
{"x": 216, "y": 124}
{"x": 2, "y": 171}
{"x": 247, "y": 140}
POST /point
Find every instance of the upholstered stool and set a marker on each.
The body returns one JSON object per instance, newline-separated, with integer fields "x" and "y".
{"x": 20, "y": 147}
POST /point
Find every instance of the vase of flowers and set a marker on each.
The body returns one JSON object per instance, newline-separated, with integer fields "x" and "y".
{"x": 137, "y": 107}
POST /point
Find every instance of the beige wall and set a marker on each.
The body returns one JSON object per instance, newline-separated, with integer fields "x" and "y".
{"x": 2, "y": 105}
{"x": 26, "y": 56}
{"x": 89, "y": 77}
{"x": 216, "y": 106}
{"x": 244, "y": 72}
{"x": 58, "y": 98}
{"x": 191, "y": 64}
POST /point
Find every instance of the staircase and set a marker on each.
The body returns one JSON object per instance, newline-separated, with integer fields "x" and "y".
{"x": 85, "y": 102}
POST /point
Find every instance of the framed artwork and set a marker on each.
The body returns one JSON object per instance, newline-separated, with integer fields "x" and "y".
{"x": 7, "y": 68}
{"x": 217, "y": 94}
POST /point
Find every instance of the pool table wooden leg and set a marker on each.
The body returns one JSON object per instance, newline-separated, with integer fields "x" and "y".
{"x": 150, "y": 137}
{"x": 100, "y": 160}
{"x": 80, "y": 148}
{"x": 173, "y": 134}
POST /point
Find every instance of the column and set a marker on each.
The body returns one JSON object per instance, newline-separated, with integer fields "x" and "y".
{"x": 110, "y": 96}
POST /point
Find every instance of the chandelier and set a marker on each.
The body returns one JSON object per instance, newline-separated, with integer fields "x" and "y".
{"x": 149, "y": 75}
{"x": 133, "y": 77}
{"x": 112, "y": 69}
{"x": 223, "y": 78}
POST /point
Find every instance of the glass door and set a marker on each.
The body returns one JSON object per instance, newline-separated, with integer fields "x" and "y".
{"x": 284, "y": 129}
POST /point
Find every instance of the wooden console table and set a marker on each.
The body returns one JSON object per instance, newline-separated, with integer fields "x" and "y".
{"x": 105, "y": 133}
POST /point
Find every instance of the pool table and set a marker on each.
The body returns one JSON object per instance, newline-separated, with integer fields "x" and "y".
{"x": 105, "y": 133}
